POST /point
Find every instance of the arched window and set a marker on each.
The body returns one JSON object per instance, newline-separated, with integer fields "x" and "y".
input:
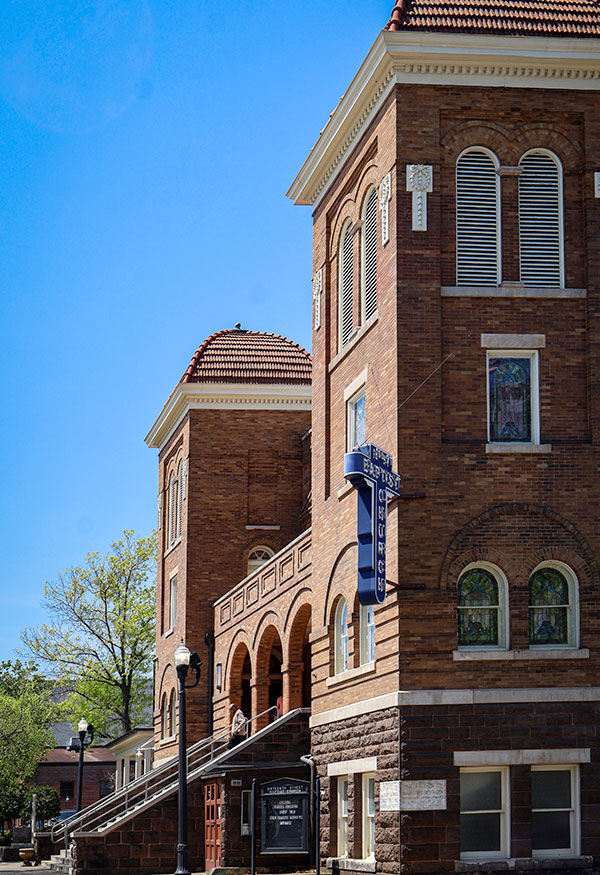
{"x": 369, "y": 256}
{"x": 172, "y": 707}
{"x": 340, "y": 637}
{"x": 477, "y": 218}
{"x": 175, "y": 504}
{"x": 367, "y": 634}
{"x": 164, "y": 718}
{"x": 540, "y": 219}
{"x": 553, "y": 610}
{"x": 482, "y": 611}
{"x": 179, "y": 510}
{"x": 257, "y": 557}
{"x": 345, "y": 285}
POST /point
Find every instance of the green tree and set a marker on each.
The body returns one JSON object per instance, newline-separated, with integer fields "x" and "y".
{"x": 27, "y": 711}
{"x": 100, "y": 643}
{"x": 47, "y": 803}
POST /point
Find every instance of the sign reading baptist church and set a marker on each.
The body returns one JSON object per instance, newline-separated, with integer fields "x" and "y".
{"x": 369, "y": 469}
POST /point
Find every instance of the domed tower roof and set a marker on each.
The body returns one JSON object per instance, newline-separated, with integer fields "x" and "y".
{"x": 236, "y": 355}
{"x": 237, "y": 369}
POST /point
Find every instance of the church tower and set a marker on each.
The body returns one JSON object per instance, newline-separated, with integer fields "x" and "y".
{"x": 233, "y": 490}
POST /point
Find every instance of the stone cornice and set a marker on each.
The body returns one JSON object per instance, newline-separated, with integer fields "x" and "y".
{"x": 224, "y": 396}
{"x": 441, "y": 59}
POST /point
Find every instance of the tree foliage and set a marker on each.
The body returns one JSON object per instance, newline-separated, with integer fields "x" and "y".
{"x": 99, "y": 644}
{"x": 47, "y": 803}
{"x": 27, "y": 712}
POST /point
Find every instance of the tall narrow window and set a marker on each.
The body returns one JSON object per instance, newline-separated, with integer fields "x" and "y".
{"x": 555, "y": 811}
{"x": 342, "y": 811}
{"x": 552, "y": 607}
{"x": 164, "y": 717}
{"x": 356, "y": 424}
{"x": 173, "y": 602}
{"x": 179, "y": 509}
{"x": 540, "y": 219}
{"x": 340, "y": 635}
{"x": 346, "y": 284}
{"x": 477, "y": 218}
{"x": 484, "y": 821}
{"x": 513, "y": 406}
{"x": 368, "y": 825}
{"x": 367, "y": 634}
{"x": 369, "y": 256}
{"x": 481, "y": 608}
{"x": 172, "y": 711}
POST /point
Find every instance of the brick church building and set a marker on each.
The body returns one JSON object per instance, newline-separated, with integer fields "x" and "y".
{"x": 452, "y": 714}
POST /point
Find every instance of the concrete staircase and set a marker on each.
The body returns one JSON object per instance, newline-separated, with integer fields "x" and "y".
{"x": 60, "y": 862}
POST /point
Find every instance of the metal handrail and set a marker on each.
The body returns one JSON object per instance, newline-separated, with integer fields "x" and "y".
{"x": 157, "y": 781}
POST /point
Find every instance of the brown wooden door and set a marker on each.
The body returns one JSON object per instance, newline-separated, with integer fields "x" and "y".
{"x": 212, "y": 823}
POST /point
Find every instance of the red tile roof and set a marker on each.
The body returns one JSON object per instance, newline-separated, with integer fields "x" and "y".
{"x": 235, "y": 355}
{"x": 569, "y": 18}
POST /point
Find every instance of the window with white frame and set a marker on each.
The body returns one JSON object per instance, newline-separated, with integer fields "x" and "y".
{"x": 484, "y": 814}
{"x": 164, "y": 717}
{"x": 368, "y": 809}
{"x": 342, "y": 816}
{"x": 513, "y": 396}
{"x": 246, "y": 825}
{"x": 175, "y": 506}
{"x": 172, "y": 713}
{"x": 477, "y": 218}
{"x": 555, "y": 815}
{"x": 340, "y": 637}
{"x": 367, "y": 634}
{"x": 258, "y": 556}
{"x": 369, "y": 256}
{"x": 346, "y": 285}
{"x": 541, "y": 219}
{"x": 482, "y": 602}
{"x": 553, "y": 606}
{"x": 356, "y": 408}
{"x": 172, "y": 603}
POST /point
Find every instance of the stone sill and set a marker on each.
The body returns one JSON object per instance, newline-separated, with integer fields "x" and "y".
{"x": 344, "y": 490}
{"x": 511, "y": 290}
{"x": 349, "y": 675}
{"x": 516, "y": 447}
{"x": 360, "y": 332}
{"x": 550, "y": 653}
{"x": 172, "y": 547}
{"x": 529, "y": 864}
{"x": 348, "y": 864}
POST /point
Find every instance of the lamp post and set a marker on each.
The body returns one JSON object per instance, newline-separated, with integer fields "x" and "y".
{"x": 84, "y": 728}
{"x": 184, "y": 660}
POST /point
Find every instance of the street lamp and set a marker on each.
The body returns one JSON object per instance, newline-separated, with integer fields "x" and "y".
{"x": 184, "y": 660}
{"x": 84, "y": 728}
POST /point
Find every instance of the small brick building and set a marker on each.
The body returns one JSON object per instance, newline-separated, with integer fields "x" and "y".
{"x": 59, "y": 767}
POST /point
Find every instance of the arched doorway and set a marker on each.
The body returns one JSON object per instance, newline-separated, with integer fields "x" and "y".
{"x": 297, "y": 689}
{"x": 268, "y": 682}
{"x": 240, "y": 677}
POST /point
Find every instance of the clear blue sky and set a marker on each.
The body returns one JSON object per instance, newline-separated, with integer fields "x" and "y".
{"x": 145, "y": 152}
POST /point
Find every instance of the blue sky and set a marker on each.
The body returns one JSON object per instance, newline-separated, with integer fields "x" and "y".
{"x": 145, "y": 152}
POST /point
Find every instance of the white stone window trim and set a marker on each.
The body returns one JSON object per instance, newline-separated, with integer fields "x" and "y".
{"x": 560, "y": 217}
{"x": 597, "y": 183}
{"x": 504, "y": 851}
{"x": 575, "y": 812}
{"x": 573, "y": 644}
{"x": 503, "y": 611}
{"x": 350, "y": 674}
{"x": 524, "y": 757}
{"x": 513, "y": 341}
{"x": 340, "y": 637}
{"x": 351, "y": 404}
{"x": 510, "y": 446}
{"x": 510, "y": 290}
{"x": 536, "y": 653}
{"x": 368, "y": 816}
{"x": 352, "y": 767}
{"x": 343, "y": 781}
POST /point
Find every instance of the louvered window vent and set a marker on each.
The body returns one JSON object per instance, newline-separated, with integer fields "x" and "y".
{"x": 346, "y": 284}
{"x": 477, "y": 219}
{"x": 370, "y": 255}
{"x": 540, "y": 220}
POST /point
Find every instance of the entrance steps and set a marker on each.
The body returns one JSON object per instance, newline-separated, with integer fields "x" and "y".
{"x": 60, "y": 862}
{"x": 159, "y": 783}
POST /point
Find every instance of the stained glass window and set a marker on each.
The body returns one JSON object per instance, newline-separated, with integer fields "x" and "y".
{"x": 509, "y": 399}
{"x": 478, "y": 609}
{"x": 357, "y": 421}
{"x": 549, "y": 607}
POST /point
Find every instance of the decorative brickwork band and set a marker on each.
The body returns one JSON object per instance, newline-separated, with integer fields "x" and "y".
{"x": 419, "y": 180}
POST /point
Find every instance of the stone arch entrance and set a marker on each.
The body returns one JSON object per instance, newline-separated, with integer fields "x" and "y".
{"x": 268, "y": 680}
{"x": 297, "y": 668}
{"x": 240, "y": 676}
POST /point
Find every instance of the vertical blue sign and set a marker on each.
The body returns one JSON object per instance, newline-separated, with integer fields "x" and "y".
{"x": 369, "y": 469}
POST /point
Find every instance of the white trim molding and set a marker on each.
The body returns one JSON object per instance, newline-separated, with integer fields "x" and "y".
{"x": 537, "y": 757}
{"x": 419, "y": 180}
{"x": 510, "y": 290}
{"x": 352, "y": 767}
{"x": 514, "y": 341}
{"x": 597, "y": 183}
{"x": 402, "y": 58}
{"x": 224, "y": 396}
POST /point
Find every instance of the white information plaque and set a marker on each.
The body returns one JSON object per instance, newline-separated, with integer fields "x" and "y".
{"x": 389, "y": 796}
{"x": 423, "y": 795}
